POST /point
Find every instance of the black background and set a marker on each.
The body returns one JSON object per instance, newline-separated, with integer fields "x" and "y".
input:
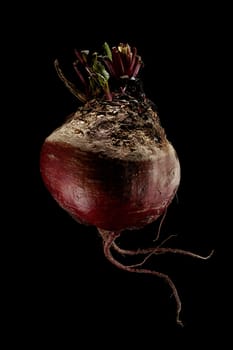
{"x": 63, "y": 288}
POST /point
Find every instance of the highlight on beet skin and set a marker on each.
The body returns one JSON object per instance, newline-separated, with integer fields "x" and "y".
{"x": 110, "y": 164}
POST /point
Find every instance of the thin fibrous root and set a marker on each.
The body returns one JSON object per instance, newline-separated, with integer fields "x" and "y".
{"x": 108, "y": 240}
{"x": 160, "y": 225}
{"x": 160, "y": 250}
{"x": 157, "y": 251}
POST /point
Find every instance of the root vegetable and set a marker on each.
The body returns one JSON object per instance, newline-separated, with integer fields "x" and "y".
{"x": 110, "y": 164}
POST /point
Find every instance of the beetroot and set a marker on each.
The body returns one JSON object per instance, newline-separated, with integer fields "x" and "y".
{"x": 110, "y": 164}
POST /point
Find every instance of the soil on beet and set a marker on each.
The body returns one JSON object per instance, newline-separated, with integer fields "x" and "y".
{"x": 119, "y": 128}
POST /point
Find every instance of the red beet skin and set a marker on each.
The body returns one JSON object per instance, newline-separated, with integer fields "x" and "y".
{"x": 109, "y": 193}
